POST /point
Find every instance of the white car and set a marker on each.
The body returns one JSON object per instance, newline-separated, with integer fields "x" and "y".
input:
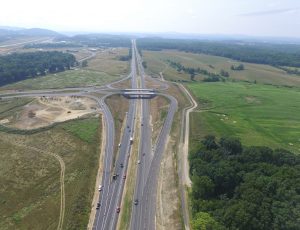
{"x": 100, "y": 188}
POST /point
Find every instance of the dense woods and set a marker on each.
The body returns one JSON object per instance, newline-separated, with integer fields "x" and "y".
{"x": 260, "y": 53}
{"x": 236, "y": 187}
{"x": 20, "y": 66}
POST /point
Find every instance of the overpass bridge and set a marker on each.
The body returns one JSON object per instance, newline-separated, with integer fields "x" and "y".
{"x": 138, "y": 93}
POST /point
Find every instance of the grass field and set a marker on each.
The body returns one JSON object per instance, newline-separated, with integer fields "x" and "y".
{"x": 105, "y": 67}
{"x": 30, "y": 191}
{"x": 108, "y": 61}
{"x": 157, "y": 62}
{"x": 257, "y": 114}
{"x": 71, "y": 78}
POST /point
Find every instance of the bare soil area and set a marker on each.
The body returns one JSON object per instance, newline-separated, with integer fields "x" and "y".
{"x": 168, "y": 202}
{"x": 44, "y": 111}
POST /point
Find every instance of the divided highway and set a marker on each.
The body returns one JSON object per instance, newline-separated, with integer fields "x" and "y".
{"x": 143, "y": 214}
{"x": 115, "y": 164}
{"x": 114, "y": 176}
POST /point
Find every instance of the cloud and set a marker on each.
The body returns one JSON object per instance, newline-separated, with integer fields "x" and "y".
{"x": 270, "y": 12}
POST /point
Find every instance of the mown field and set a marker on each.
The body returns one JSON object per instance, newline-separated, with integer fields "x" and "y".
{"x": 257, "y": 114}
{"x": 265, "y": 113}
{"x": 105, "y": 67}
{"x": 30, "y": 193}
{"x": 157, "y": 61}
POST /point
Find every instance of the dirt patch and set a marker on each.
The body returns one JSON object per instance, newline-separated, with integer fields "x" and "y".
{"x": 159, "y": 108}
{"x": 44, "y": 111}
{"x": 168, "y": 203}
{"x": 4, "y": 121}
{"x": 251, "y": 99}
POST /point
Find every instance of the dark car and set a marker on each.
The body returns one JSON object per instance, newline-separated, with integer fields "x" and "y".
{"x": 118, "y": 209}
{"x": 98, "y": 205}
{"x": 121, "y": 165}
{"x": 136, "y": 202}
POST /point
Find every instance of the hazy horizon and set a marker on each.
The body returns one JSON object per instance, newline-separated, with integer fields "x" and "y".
{"x": 240, "y": 18}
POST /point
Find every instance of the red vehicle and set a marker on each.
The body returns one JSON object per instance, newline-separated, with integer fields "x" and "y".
{"x": 124, "y": 177}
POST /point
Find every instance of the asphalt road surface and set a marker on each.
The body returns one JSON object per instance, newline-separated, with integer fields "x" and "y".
{"x": 143, "y": 212}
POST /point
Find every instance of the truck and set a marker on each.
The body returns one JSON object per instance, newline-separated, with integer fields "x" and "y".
{"x": 131, "y": 140}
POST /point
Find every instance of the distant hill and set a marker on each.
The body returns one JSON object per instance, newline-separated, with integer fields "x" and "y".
{"x": 11, "y": 28}
{"x": 38, "y": 32}
{"x": 14, "y": 31}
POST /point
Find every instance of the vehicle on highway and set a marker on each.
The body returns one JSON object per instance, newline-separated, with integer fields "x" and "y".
{"x": 131, "y": 140}
{"x": 100, "y": 188}
{"x": 121, "y": 165}
{"x": 115, "y": 176}
{"x": 139, "y": 162}
{"x": 118, "y": 209}
{"x": 98, "y": 205}
{"x": 119, "y": 145}
{"x": 136, "y": 202}
{"x": 124, "y": 177}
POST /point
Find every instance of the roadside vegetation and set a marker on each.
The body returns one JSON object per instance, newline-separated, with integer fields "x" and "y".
{"x": 85, "y": 129}
{"x": 30, "y": 195}
{"x": 237, "y": 187}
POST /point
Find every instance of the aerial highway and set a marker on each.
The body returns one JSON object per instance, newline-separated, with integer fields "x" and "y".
{"x": 115, "y": 164}
{"x": 114, "y": 176}
{"x": 143, "y": 214}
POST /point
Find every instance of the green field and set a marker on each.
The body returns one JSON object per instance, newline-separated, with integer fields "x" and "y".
{"x": 71, "y": 78}
{"x": 105, "y": 67}
{"x": 157, "y": 62}
{"x": 257, "y": 114}
{"x": 30, "y": 191}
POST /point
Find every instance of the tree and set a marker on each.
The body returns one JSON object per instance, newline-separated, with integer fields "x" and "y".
{"x": 84, "y": 63}
{"x": 203, "y": 221}
{"x": 204, "y": 187}
{"x": 231, "y": 146}
{"x": 210, "y": 142}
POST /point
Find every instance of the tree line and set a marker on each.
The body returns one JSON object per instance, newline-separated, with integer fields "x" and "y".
{"x": 126, "y": 57}
{"x": 211, "y": 77}
{"x": 260, "y": 53}
{"x": 237, "y": 187}
{"x": 20, "y": 66}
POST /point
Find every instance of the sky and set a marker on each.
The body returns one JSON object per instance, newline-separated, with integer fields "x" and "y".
{"x": 277, "y": 18}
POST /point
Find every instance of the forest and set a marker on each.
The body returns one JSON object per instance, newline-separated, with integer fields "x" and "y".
{"x": 259, "y": 53}
{"x": 237, "y": 187}
{"x": 20, "y": 66}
